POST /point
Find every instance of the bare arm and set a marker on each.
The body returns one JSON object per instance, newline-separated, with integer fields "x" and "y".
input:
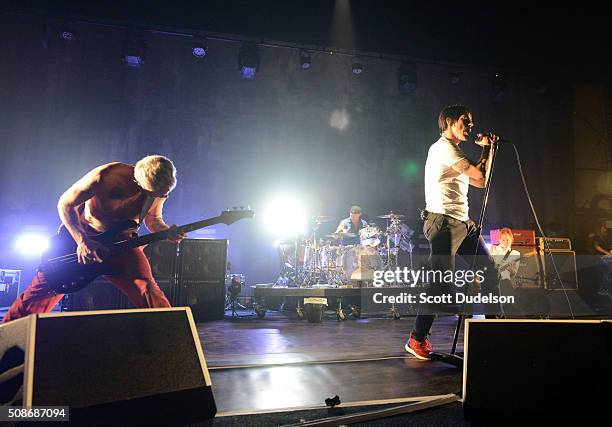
{"x": 68, "y": 209}
{"x": 69, "y": 202}
{"x": 601, "y": 250}
{"x": 476, "y": 172}
{"x": 154, "y": 220}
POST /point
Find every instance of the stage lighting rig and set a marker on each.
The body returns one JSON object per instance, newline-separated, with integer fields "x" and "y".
{"x": 357, "y": 66}
{"x": 134, "y": 50}
{"x": 200, "y": 47}
{"x": 407, "y": 77}
{"x": 499, "y": 88}
{"x": 67, "y": 32}
{"x": 454, "y": 78}
{"x": 305, "y": 60}
{"x": 248, "y": 61}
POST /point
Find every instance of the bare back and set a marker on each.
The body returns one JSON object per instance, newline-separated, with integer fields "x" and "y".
{"x": 115, "y": 197}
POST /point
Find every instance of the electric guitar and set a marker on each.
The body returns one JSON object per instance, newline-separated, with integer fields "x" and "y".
{"x": 64, "y": 274}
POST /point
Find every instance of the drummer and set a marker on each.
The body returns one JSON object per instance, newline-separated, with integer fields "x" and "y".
{"x": 352, "y": 224}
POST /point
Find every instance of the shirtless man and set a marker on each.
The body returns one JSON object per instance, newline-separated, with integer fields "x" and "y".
{"x": 107, "y": 195}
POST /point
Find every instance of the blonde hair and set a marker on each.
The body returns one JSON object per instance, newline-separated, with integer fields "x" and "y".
{"x": 155, "y": 173}
{"x": 506, "y": 231}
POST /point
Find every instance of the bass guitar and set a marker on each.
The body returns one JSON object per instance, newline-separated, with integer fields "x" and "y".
{"x": 64, "y": 274}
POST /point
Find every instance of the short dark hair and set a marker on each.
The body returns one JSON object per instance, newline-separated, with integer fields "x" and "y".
{"x": 452, "y": 112}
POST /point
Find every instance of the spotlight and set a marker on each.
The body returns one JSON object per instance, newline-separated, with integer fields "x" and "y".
{"x": 248, "y": 61}
{"x": 285, "y": 216}
{"x": 499, "y": 88}
{"x": 200, "y": 49}
{"x": 305, "y": 61}
{"x": 67, "y": 34}
{"x": 357, "y": 66}
{"x": 407, "y": 77}
{"x": 32, "y": 244}
{"x": 134, "y": 50}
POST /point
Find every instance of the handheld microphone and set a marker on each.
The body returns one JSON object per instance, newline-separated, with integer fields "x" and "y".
{"x": 479, "y": 137}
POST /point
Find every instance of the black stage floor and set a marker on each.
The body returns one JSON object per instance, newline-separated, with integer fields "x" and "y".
{"x": 280, "y": 363}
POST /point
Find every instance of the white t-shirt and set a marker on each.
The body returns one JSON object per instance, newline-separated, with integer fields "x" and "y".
{"x": 498, "y": 253}
{"x": 446, "y": 189}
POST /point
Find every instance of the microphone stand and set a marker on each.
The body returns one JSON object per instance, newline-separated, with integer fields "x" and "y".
{"x": 452, "y": 358}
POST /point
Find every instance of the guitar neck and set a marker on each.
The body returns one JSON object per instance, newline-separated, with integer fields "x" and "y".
{"x": 162, "y": 235}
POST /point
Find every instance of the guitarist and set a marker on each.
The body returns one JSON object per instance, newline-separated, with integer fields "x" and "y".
{"x": 110, "y": 194}
{"x": 506, "y": 259}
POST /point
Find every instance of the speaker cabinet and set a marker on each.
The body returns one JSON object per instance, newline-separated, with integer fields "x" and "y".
{"x": 565, "y": 262}
{"x": 191, "y": 275}
{"x": 162, "y": 257}
{"x": 201, "y": 277}
{"x": 527, "y": 372}
{"x": 203, "y": 260}
{"x": 132, "y": 367}
{"x": 530, "y": 272}
{"x": 98, "y": 295}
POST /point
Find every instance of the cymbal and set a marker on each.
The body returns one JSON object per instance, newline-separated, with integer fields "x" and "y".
{"x": 391, "y": 215}
{"x": 324, "y": 218}
{"x": 341, "y": 235}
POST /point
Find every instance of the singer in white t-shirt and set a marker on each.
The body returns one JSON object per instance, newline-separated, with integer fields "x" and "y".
{"x": 448, "y": 176}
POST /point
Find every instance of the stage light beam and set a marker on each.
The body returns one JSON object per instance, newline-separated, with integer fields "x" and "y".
{"x": 285, "y": 216}
{"x": 32, "y": 244}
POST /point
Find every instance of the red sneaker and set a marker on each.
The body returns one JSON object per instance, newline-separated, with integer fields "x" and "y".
{"x": 420, "y": 349}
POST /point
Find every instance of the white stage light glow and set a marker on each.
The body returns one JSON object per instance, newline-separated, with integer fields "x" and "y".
{"x": 31, "y": 244}
{"x": 285, "y": 216}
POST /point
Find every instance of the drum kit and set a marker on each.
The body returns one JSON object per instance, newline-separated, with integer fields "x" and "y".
{"x": 333, "y": 260}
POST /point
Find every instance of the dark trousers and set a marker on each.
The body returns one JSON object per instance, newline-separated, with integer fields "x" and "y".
{"x": 449, "y": 237}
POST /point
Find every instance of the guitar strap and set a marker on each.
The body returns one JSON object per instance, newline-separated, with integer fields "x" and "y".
{"x": 507, "y": 255}
{"x": 146, "y": 205}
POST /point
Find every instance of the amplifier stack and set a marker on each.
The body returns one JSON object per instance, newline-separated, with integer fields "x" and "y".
{"x": 191, "y": 274}
{"x": 547, "y": 263}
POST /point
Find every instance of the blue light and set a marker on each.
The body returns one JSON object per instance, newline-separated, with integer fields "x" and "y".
{"x": 248, "y": 73}
{"x": 133, "y": 60}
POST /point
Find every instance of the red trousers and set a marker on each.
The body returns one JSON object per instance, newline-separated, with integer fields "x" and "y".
{"x": 136, "y": 281}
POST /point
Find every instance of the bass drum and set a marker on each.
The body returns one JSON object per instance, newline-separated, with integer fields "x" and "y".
{"x": 331, "y": 256}
{"x": 360, "y": 262}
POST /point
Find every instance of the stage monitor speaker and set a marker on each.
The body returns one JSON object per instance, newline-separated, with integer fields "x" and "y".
{"x": 135, "y": 367}
{"x": 565, "y": 262}
{"x": 525, "y": 372}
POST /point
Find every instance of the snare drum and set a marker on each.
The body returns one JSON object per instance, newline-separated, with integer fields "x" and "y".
{"x": 370, "y": 235}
